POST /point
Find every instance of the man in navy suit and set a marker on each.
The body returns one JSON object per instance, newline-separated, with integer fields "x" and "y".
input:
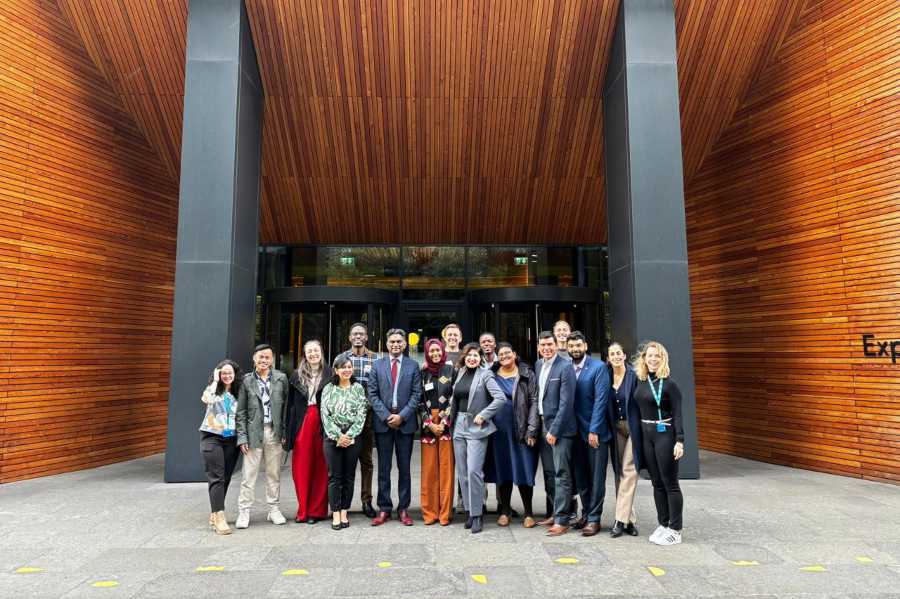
{"x": 591, "y": 451}
{"x": 556, "y": 398}
{"x": 394, "y": 390}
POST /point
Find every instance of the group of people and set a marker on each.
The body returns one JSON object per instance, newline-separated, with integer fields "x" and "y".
{"x": 482, "y": 416}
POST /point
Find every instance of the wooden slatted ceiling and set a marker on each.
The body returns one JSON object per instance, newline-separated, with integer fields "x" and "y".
{"x": 437, "y": 108}
{"x": 445, "y": 121}
{"x": 87, "y": 246}
{"x": 794, "y": 243}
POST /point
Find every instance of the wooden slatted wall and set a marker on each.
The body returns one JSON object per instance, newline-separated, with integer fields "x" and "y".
{"x": 794, "y": 247}
{"x": 87, "y": 247}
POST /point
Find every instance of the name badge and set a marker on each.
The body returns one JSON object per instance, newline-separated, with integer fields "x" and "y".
{"x": 367, "y": 368}
{"x": 660, "y": 427}
{"x": 429, "y": 386}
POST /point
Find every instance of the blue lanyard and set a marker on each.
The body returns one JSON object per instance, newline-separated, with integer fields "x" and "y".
{"x": 657, "y": 395}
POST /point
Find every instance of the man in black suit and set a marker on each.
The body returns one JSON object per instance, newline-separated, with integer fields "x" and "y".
{"x": 556, "y": 406}
{"x": 394, "y": 391}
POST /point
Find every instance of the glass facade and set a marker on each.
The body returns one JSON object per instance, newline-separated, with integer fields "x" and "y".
{"x": 432, "y": 272}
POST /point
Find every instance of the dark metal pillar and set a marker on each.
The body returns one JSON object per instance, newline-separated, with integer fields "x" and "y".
{"x": 648, "y": 270}
{"x": 215, "y": 273}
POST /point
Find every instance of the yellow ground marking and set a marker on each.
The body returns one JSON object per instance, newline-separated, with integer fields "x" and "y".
{"x": 295, "y": 573}
{"x": 210, "y": 568}
{"x": 656, "y": 571}
{"x": 479, "y": 578}
{"x": 567, "y": 560}
{"x": 28, "y": 570}
{"x": 816, "y": 568}
{"x": 385, "y": 564}
{"x": 864, "y": 559}
{"x": 744, "y": 562}
{"x": 105, "y": 584}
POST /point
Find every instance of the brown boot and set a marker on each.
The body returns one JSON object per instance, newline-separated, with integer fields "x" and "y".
{"x": 220, "y": 524}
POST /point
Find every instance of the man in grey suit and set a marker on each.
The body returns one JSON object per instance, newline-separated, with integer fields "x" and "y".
{"x": 394, "y": 391}
{"x": 556, "y": 406}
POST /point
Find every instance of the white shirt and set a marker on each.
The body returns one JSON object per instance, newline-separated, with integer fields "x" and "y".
{"x": 542, "y": 382}
{"x": 579, "y": 367}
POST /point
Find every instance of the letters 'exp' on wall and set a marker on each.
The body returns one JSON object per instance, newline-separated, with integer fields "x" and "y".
{"x": 794, "y": 249}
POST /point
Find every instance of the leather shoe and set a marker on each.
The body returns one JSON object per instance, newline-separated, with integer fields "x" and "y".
{"x": 631, "y": 529}
{"x": 404, "y": 518}
{"x": 557, "y": 530}
{"x": 468, "y": 523}
{"x": 548, "y": 521}
{"x": 617, "y": 530}
{"x": 590, "y": 529}
{"x": 381, "y": 518}
{"x": 580, "y": 523}
{"x": 476, "y": 525}
{"x": 503, "y": 520}
{"x": 368, "y": 510}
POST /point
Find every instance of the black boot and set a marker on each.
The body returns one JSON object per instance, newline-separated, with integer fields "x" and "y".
{"x": 468, "y": 521}
{"x": 368, "y": 510}
{"x": 617, "y": 530}
{"x": 476, "y": 525}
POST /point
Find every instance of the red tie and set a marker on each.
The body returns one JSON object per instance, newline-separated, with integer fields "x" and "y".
{"x": 393, "y": 373}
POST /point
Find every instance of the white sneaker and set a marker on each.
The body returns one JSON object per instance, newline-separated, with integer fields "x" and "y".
{"x": 276, "y": 517}
{"x": 243, "y": 519}
{"x": 660, "y": 530}
{"x": 670, "y": 537}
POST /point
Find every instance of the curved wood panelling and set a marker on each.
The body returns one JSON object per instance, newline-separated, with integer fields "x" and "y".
{"x": 793, "y": 229}
{"x": 438, "y": 109}
{"x": 87, "y": 248}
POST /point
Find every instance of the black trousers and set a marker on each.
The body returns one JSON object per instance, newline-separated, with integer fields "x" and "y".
{"x": 590, "y": 476}
{"x": 220, "y": 455}
{"x": 660, "y": 460}
{"x": 388, "y": 444}
{"x": 504, "y": 498}
{"x": 341, "y": 473}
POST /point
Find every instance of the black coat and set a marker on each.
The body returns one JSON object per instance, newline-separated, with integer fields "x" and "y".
{"x": 525, "y": 407}
{"x": 441, "y": 387}
{"x": 298, "y": 401}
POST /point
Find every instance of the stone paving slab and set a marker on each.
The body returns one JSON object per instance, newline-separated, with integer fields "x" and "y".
{"x": 750, "y": 529}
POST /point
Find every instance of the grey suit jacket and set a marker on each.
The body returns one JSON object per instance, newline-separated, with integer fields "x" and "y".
{"x": 485, "y": 400}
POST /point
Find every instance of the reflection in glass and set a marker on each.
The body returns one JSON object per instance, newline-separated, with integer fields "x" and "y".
{"x": 434, "y": 272}
{"x": 503, "y": 266}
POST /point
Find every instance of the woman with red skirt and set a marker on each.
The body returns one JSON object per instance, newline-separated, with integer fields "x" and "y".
{"x": 304, "y": 435}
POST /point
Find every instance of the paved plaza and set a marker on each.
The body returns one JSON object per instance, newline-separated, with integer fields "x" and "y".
{"x": 751, "y": 530}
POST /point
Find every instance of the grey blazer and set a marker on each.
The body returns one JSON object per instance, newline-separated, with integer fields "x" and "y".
{"x": 485, "y": 400}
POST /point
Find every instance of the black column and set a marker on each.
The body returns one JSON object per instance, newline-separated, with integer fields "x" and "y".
{"x": 648, "y": 270}
{"x": 215, "y": 273}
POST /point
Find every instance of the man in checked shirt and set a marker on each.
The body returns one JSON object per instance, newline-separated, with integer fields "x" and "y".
{"x": 362, "y": 359}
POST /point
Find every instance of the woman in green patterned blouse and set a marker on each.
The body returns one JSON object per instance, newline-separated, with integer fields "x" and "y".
{"x": 343, "y": 411}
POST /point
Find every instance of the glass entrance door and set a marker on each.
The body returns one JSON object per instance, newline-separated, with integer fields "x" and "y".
{"x": 426, "y": 322}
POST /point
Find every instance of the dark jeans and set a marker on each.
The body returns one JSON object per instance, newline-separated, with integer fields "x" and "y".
{"x": 658, "y": 456}
{"x": 341, "y": 473}
{"x": 220, "y": 455}
{"x": 590, "y": 476}
{"x": 388, "y": 444}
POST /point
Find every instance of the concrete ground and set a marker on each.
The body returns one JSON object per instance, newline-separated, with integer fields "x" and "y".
{"x": 751, "y": 530}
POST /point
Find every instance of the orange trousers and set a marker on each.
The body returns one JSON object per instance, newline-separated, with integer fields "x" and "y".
{"x": 437, "y": 480}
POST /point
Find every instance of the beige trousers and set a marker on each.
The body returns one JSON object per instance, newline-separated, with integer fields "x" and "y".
{"x": 272, "y": 454}
{"x": 627, "y": 483}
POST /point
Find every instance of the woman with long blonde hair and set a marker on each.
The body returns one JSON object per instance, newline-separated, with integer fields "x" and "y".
{"x": 658, "y": 399}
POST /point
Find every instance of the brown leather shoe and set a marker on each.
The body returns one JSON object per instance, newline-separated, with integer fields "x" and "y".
{"x": 503, "y": 520}
{"x": 580, "y": 523}
{"x": 381, "y": 518}
{"x": 404, "y": 518}
{"x": 548, "y": 521}
{"x": 529, "y": 522}
{"x": 557, "y": 530}
{"x": 590, "y": 529}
